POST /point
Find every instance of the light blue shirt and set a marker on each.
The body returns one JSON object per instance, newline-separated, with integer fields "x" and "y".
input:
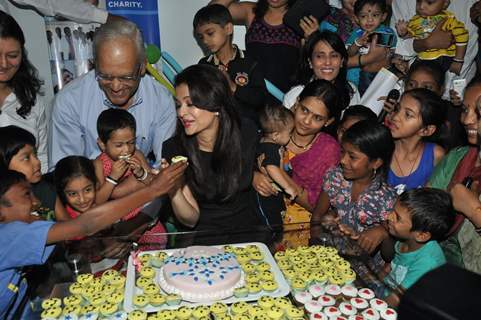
{"x": 73, "y": 129}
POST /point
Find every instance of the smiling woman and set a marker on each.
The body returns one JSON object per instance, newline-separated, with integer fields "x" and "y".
{"x": 20, "y": 103}
{"x": 221, "y": 150}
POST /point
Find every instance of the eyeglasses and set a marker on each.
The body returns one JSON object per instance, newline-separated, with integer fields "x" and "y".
{"x": 122, "y": 79}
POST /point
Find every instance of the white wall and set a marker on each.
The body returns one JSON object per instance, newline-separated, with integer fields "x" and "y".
{"x": 176, "y": 34}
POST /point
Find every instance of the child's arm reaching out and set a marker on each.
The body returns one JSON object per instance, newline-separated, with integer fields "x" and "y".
{"x": 362, "y": 41}
{"x": 282, "y": 179}
{"x": 100, "y": 217}
{"x": 402, "y": 29}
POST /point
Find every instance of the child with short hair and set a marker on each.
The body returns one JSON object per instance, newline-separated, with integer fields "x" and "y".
{"x": 421, "y": 217}
{"x": 429, "y": 13}
{"x": 120, "y": 162}
{"x": 277, "y": 124}
{"x": 351, "y": 115}
{"x": 18, "y": 152}
{"x": 370, "y": 15}
{"x": 26, "y": 240}
{"x": 213, "y": 25}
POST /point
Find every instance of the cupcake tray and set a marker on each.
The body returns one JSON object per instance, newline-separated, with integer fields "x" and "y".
{"x": 131, "y": 289}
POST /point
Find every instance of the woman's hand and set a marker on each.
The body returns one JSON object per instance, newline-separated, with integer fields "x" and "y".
{"x": 263, "y": 184}
{"x": 456, "y": 100}
{"x": 168, "y": 178}
{"x": 309, "y": 25}
{"x": 400, "y": 64}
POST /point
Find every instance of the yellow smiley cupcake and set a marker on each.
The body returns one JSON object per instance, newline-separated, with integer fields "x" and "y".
{"x": 143, "y": 282}
{"x": 51, "y": 303}
{"x": 256, "y": 256}
{"x": 253, "y": 311}
{"x": 108, "y": 309}
{"x": 265, "y": 302}
{"x": 88, "y": 309}
{"x": 267, "y": 275}
{"x": 241, "y": 317}
{"x": 140, "y": 300}
{"x": 282, "y": 302}
{"x": 118, "y": 281}
{"x": 156, "y": 300}
{"x": 71, "y": 310}
{"x": 263, "y": 266}
{"x": 108, "y": 289}
{"x": 252, "y": 277}
{"x": 166, "y": 314}
{"x": 252, "y": 248}
{"x": 85, "y": 279}
{"x": 97, "y": 283}
{"x": 107, "y": 275}
{"x": 253, "y": 288}
{"x": 116, "y": 297}
{"x": 75, "y": 288}
{"x": 294, "y": 313}
{"x": 145, "y": 259}
{"x": 280, "y": 256}
{"x": 242, "y": 258}
{"x": 218, "y": 309}
{"x": 151, "y": 289}
{"x": 269, "y": 286}
{"x": 147, "y": 272}
{"x": 201, "y": 311}
{"x": 73, "y": 300}
{"x": 173, "y": 299}
{"x": 239, "y": 308}
{"x": 137, "y": 315}
{"x": 97, "y": 299}
{"x": 183, "y": 313}
{"x": 275, "y": 313}
{"x": 51, "y": 313}
{"x": 297, "y": 284}
{"x": 248, "y": 268}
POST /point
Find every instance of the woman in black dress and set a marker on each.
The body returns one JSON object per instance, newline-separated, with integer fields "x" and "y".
{"x": 220, "y": 147}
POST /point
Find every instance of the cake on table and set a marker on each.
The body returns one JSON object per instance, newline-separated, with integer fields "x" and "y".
{"x": 201, "y": 273}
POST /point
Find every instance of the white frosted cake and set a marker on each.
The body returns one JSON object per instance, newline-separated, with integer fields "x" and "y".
{"x": 201, "y": 273}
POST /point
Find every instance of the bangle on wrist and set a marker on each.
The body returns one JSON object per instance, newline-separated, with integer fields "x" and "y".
{"x": 111, "y": 180}
{"x": 144, "y": 175}
{"x": 357, "y": 43}
{"x": 359, "y": 61}
{"x": 458, "y": 60}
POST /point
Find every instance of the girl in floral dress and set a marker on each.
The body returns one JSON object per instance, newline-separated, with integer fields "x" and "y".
{"x": 356, "y": 189}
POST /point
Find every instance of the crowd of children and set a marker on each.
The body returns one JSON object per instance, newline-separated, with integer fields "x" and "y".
{"x": 321, "y": 156}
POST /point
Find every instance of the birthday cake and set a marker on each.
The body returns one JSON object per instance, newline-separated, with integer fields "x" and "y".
{"x": 201, "y": 273}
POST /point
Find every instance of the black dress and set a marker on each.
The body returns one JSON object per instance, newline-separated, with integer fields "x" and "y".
{"x": 229, "y": 221}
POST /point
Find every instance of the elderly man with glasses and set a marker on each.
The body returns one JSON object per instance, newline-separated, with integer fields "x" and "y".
{"x": 118, "y": 81}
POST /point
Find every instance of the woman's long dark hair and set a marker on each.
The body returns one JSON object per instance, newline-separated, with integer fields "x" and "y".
{"x": 326, "y": 92}
{"x": 25, "y": 83}
{"x": 209, "y": 90}
{"x": 305, "y": 73}
{"x": 262, "y": 6}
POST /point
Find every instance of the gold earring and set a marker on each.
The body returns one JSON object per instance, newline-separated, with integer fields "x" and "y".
{"x": 217, "y": 113}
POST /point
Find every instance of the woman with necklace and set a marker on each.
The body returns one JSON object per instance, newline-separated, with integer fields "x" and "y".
{"x": 309, "y": 153}
{"x": 418, "y": 119}
{"x": 463, "y": 244}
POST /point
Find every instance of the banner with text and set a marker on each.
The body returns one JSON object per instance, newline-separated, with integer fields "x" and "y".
{"x": 143, "y": 12}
